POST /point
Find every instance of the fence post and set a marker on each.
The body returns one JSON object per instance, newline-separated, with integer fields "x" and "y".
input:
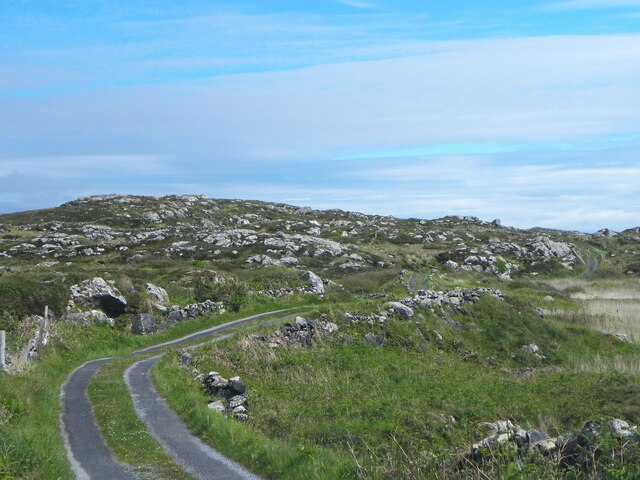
{"x": 42, "y": 330}
{"x": 2, "y": 348}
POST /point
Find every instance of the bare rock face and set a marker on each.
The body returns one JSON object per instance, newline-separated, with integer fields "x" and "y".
{"x": 543, "y": 247}
{"x": 97, "y": 293}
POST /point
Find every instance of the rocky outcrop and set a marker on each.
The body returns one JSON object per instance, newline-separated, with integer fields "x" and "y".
{"x": 566, "y": 450}
{"x": 494, "y": 256}
{"x": 454, "y": 299}
{"x": 543, "y": 248}
{"x": 97, "y": 293}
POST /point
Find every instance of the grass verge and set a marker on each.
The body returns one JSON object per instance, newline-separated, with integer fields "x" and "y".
{"x": 268, "y": 457}
{"x": 407, "y": 409}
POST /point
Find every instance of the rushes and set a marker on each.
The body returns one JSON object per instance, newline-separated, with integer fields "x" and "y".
{"x": 610, "y": 307}
{"x": 602, "y": 364}
{"x": 615, "y": 316}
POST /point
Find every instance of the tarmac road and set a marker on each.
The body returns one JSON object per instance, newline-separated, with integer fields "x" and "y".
{"x": 89, "y": 456}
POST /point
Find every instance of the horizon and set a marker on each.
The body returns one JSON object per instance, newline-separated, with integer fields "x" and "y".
{"x": 249, "y": 200}
{"x": 528, "y": 113}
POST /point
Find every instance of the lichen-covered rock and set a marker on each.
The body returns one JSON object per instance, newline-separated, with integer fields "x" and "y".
{"x": 92, "y": 317}
{"x": 144, "y": 323}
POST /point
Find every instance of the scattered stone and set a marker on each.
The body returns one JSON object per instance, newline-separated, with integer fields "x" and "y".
{"x": 232, "y": 392}
{"x": 567, "y": 447}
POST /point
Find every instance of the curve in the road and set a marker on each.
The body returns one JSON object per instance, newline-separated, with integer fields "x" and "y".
{"x": 187, "y": 450}
{"x": 89, "y": 456}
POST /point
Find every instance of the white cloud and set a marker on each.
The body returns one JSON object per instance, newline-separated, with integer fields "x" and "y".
{"x": 219, "y": 136}
{"x": 83, "y": 166}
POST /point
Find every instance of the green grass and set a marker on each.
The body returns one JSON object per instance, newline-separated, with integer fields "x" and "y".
{"x": 124, "y": 433}
{"x": 30, "y": 441}
{"x": 270, "y": 458}
{"x": 388, "y": 409}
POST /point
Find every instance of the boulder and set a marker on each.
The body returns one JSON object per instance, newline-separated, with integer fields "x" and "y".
{"x": 237, "y": 386}
{"x": 374, "y": 339}
{"x": 144, "y": 323}
{"x": 530, "y": 348}
{"x": 97, "y": 293}
{"x": 314, "y": 280}
{"x": 218, "y": 406}
{"x": 237, "y": 401}
{"x": 401, "y": 309}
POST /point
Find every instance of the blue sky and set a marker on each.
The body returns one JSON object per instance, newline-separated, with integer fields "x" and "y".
{"x": 527, "y": 111}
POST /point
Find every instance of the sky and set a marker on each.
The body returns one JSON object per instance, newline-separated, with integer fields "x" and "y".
{"x": 526, "y": 111}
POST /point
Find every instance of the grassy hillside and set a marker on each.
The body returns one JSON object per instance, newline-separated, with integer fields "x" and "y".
{"x": 395, "y": 399}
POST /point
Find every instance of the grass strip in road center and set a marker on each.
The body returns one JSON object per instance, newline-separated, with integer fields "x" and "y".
{"x": 123, "y": 432}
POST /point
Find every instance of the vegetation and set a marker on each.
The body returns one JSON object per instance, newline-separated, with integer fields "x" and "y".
{"x": 122, "y": 430}
{"x": 345, "y": 407}
{"x": 30, "y": 441}
{"x": 410, "y": 408}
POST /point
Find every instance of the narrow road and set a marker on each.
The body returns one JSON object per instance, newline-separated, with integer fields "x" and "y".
{"x": 592, "y": 265}
{"x": 187, "y": 450}
{"x": 423, "y": 282}
{"x": 412, "y": 281}
{"x": 89, "y": 456}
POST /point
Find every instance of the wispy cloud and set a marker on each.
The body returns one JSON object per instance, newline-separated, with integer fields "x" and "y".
{"x": 356, "y": 4}
{"x": 359, "y": 109}
{"x": 592, "y": 4}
